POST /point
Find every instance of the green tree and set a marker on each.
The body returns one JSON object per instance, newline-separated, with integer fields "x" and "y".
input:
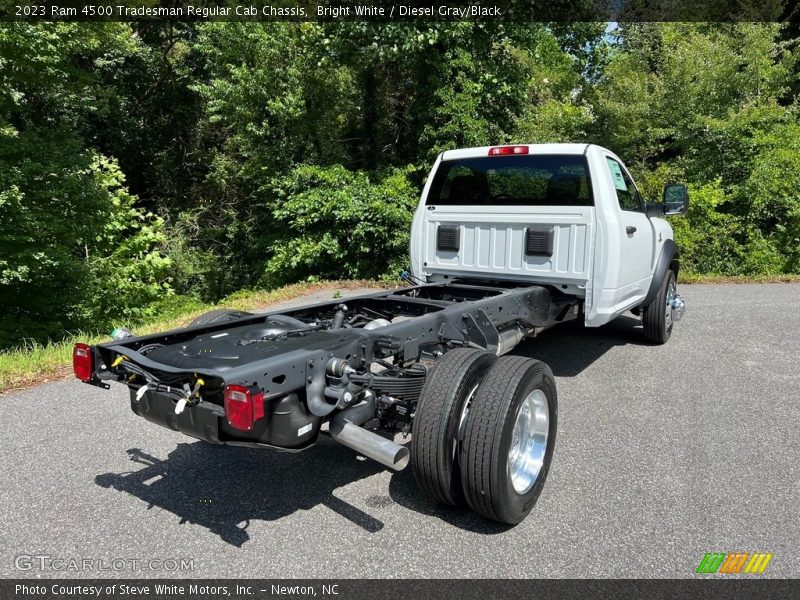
{"x": 708, "y": 103}
{"x": 558, "y": 109}
{"x": 74, "y": 249}
{"x": 335, "y": 223}
{"x": 269, "y": 102}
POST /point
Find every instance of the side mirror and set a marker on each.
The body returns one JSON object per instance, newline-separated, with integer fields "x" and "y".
{"x": 676, "y": 199}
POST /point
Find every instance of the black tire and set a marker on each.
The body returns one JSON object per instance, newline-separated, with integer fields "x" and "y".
{"x": 657, "y": 328}
{"x": 485, "y": 472}
{"x": 434, "y": 440}
{"x": 218, "y": 315}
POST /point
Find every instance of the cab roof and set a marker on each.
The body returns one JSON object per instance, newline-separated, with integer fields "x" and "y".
{"x": 533, "y": 149}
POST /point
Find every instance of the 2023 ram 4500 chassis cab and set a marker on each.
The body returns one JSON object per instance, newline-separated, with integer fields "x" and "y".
{"x": 506, "y": 241}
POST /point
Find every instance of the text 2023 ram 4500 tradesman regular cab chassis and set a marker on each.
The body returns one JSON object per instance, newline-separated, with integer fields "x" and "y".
{"x": 506, "y": 241}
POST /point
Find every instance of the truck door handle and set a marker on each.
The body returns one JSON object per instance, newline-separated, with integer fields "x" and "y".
{"x": 630, "y": 229}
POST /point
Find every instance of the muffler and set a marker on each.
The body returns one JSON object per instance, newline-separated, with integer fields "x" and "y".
{"x": 345, "y": 429}
{"x": 509, "y": 338}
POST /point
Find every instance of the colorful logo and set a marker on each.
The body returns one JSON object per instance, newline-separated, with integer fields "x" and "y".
{"x": 731, "y": 563}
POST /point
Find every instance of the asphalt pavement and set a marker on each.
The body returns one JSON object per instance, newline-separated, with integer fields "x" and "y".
{"x": 663, "y": 454}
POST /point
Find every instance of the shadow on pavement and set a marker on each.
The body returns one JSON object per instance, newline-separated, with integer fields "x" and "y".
{"x": 224, "y": 488}
{"x": 404, "y": 491}
{"x": 570, "y": 348}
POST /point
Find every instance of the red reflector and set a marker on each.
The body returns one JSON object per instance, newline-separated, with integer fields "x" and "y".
{"x": 83, "y": 362}
{"x": 507, "y": 150}
{"x": 243, "y": 406}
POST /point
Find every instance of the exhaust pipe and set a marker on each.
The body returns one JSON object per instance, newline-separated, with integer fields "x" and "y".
{"x": 345, "y": 429}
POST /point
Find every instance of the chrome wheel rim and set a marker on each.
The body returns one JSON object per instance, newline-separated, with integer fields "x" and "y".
{"x": 529, "y": 441}
{"x": 670, "y": 297}
{"x": 462, "y": 419}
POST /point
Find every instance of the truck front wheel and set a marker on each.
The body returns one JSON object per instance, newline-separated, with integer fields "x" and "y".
{"x": 509, "y": 440}
{"x": 440, "y": 416}
{"x": 657, "y": 317}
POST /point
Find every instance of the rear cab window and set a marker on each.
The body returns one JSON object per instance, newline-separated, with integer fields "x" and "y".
{"x": 528, "y": 180}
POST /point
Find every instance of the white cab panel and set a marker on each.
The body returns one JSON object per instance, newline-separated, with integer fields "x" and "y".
{"x": 492, "y": 241}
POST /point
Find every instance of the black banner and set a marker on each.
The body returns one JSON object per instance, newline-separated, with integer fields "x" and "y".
{"x": 398, "y": 589}
{"x": 402, "y": 10}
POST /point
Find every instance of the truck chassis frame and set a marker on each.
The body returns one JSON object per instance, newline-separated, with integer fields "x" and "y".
{"x": 324, "y": 378}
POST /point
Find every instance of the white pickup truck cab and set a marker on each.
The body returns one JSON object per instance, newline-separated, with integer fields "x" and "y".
{"x": 563, "y": 215}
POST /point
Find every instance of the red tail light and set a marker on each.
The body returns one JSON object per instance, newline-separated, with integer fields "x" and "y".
{"x": 83, "y": 362}
{"x": 243, "y": 406}
{"x": 507, "y": 150}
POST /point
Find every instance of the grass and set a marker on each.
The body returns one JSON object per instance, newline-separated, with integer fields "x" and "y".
{"x": 34, "y": 363}
{"x": 694, "y": 278}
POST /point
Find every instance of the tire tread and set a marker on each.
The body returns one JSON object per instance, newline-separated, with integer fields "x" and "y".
{"x": 431, "y": 423}
{"x": 490, "y": 411}
{"x": 654, "y": 321}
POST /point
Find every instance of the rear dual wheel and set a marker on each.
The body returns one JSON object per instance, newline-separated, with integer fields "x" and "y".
{"x": 438, "y": 424}
{"x": 509, "y": 439}
{"x": 484, "y": 433}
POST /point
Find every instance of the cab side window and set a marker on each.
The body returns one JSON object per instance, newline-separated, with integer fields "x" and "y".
{"x": 627, "y": 194}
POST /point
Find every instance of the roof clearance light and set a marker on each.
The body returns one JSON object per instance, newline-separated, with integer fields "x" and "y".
{"x": 508, "y": 150}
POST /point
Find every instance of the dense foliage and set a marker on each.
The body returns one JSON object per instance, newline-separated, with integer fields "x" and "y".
{"x": 147, "y": 159}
